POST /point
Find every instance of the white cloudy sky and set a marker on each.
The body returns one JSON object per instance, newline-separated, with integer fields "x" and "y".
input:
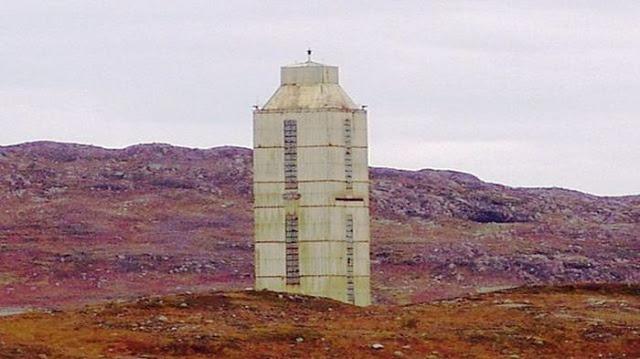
{"x": 525, "y": 93}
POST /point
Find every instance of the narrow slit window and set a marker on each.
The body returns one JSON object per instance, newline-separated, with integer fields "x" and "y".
{"x": 348, "y": 158}
{"x": 349, "y": 245}
{"x": 291, "y": 251}
{"x": 290, "y": 154}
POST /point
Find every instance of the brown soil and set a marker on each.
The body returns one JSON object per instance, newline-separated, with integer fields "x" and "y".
{"x": 549, "y": 322}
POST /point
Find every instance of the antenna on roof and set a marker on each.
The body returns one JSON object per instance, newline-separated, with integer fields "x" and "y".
{"x": 309, "y": 55}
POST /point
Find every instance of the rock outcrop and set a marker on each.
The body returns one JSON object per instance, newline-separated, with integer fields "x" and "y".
{"x": 82, "y": 223}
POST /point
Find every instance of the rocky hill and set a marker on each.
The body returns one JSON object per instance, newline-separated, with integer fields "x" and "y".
{"x": 81, "y": 223}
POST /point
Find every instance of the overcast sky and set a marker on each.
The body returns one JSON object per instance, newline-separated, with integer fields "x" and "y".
{"x": 524, "y": 93}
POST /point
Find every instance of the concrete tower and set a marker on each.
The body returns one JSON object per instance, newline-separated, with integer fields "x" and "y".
{"x": 311, "y": 188}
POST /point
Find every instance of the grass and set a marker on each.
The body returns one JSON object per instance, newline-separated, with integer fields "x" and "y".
{"x": 580, "y": 321}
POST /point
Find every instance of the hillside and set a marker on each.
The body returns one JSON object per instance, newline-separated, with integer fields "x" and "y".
{"x": 584, "y": 322}
{"x": 82, "y": 224}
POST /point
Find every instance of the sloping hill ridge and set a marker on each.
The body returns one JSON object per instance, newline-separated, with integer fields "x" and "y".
{"x": 81, "y": 223}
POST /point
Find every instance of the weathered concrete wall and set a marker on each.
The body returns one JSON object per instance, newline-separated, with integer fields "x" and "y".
{"x": 324, "y": 198}
{"x": 309, "y": 73}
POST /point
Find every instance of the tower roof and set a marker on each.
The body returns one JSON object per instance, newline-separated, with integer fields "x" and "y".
{"x": 309, "y": 85}
{"x": 307, "y": 63}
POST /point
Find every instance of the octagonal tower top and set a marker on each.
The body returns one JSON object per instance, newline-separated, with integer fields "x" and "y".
{"x": 309, "y": 85}
{"x": 308, "y": 73}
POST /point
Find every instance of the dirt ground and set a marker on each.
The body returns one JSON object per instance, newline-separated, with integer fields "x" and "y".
{"x": 568, "y": 322}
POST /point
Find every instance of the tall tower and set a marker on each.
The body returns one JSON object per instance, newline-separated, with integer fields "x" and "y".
{"x": 311, "y": 188}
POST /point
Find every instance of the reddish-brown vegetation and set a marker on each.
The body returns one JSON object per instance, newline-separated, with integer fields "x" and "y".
{"x": 582, "y": 322}
{"x": 82, "y": 224}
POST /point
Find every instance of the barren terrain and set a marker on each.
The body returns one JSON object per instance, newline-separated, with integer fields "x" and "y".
{"x": 562, "y": 322}
{"x": 82, "y": 224}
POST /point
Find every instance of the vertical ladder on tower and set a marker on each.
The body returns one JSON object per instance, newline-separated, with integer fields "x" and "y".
{"x": 291, "y": 249}
{"x": 349, "y": 239}
{"x": 348, "y": 158}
